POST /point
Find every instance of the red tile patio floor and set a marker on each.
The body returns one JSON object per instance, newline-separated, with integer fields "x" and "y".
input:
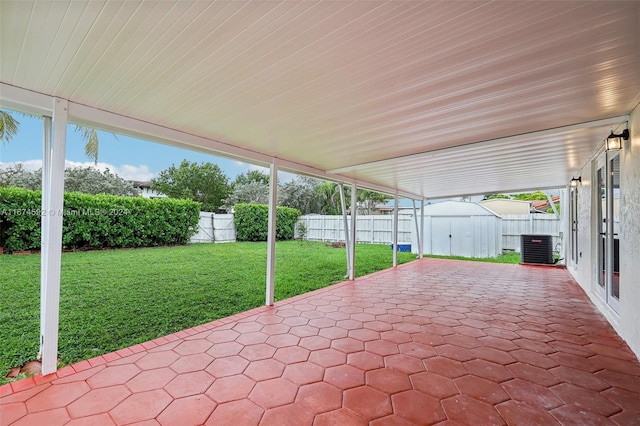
{"x": 431, "y": 342}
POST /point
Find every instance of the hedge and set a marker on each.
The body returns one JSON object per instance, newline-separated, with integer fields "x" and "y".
{"x": 97, "y": 221}
{"x": 251, "y": 222}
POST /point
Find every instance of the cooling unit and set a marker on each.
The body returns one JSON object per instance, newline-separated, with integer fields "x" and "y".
{"x": 536, "y": 249}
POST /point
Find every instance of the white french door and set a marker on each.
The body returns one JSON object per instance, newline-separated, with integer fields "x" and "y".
{"x": 608, "y": 223}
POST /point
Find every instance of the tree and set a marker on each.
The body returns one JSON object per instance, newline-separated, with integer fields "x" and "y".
{"x": 328, "y": 194}
{"x": 249, "y": 193}
{"x": 369, "y": 199}
{"x": 494, "y": 196}
{"x": 16, "y": 175}
{"x": 92, "y": 181}
{"x": 9, "y": 128}
{"x": 204, "y": 183}
{"x": 79, "y": 179}
{"x": 251, "y": 176}
{"x": 300, "y": 194}
{"x": 530, "y": 196}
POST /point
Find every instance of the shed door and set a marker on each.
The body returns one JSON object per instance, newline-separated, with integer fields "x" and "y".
{"x": 451, "y": 236}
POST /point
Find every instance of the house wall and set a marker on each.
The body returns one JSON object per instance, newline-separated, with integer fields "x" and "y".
{"x": 627, "y": 320}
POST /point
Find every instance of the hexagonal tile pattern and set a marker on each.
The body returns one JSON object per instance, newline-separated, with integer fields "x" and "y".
{"x": 417, "y": 407}
{"x": 187, "y": 384}
{"x": 141, "y": 406}
{"x": 227, "y": 366}
{"x": 319, "y": 397}
{"x": 230, "y": 388}
{"x": 151, "y": 379}
{"x": 193, "y": 410}
{"x": 344, "y": 376}
{"x": 241, "y": 412}
{"x": 116, "y": 375}
{"x": 432, "y": 341}
{"x": 367, "y": 402}
{"x": 98, "y": 401}
{"x": 264, "y": 369}
{"x": 273, "y": 393}
{"x": 194, "y": 362}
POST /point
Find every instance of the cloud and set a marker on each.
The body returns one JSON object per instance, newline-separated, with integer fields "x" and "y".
{"x": 126, "y": 171}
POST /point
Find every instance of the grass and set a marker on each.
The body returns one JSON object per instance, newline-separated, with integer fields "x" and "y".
{"x": 117, "y": 298}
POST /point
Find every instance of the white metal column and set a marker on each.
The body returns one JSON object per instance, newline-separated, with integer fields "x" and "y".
{"x": 395, "y": 231}
{"x": 271, "y": 235}
{"x": 421, "y": 252}
{"x": 343, "y": 204}
{"x": 53, "y": 199}
{"x": 44, "y": 227}
{"x": 415, "y": 219}
{"x": 354, "y": 214}
{"x": 565, "y": 210}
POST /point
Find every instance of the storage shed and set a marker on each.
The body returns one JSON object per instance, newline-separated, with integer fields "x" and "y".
{"x": 455, "y": 228}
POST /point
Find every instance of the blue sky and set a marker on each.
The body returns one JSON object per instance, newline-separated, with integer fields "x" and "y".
{"x": 130, "y": 158}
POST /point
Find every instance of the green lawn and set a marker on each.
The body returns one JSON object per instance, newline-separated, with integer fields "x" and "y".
{"x": 117, "y": 298}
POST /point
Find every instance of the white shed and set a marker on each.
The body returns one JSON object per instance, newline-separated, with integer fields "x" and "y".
{"x": 455, "y": 228}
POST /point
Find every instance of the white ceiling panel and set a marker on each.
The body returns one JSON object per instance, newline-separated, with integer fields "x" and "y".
{"x": 414, "y": 96}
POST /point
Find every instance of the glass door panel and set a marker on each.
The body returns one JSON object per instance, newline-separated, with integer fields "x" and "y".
{"x": 601, "y": 218}
{"x": 608, "y": 223}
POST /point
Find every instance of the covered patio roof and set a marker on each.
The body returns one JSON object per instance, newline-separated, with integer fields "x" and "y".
{"x": 427, "y": 99}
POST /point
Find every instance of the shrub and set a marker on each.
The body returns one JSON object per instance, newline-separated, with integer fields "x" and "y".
{"x": 97, "y": 221}
{"x": 302, "y": 230}
{"x": 251, "y": 222}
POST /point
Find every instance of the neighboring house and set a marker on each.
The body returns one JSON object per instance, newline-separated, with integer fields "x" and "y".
{"x": 502, "y": 206}
{"x": 543, "y": 205}
{"x": 378, "y": 209}
{"x": 145, "y": 189}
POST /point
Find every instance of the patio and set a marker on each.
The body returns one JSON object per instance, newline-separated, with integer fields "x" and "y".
{"x": 429, "y": 341}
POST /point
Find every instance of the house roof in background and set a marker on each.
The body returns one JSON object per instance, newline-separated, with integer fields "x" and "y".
{"x": 433, "y": 99}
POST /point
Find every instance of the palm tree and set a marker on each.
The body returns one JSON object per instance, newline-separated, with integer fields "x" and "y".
{"x": 9, "y": 128}
{"x": 329, "y": 197}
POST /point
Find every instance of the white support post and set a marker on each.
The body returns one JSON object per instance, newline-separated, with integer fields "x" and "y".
{"x": 271, "y": 235}
{"x": 347, "y": 244}
{"x": 395, "y": 231}
{"x": 565, "y": 209}
{"x": 44, "y": 228}
{"x": 415, "y": 219}
{"x": 354, "y": 214}
{"x": 421, "y": 252}
{"x": 53, "y": 198}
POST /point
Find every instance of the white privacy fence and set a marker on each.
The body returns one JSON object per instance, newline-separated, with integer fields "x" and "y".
{"x": 514, "y": 225}
{"x": 215, "y": 228}
{"x": 377, "y": 229}
{"x": 370, "y": 229}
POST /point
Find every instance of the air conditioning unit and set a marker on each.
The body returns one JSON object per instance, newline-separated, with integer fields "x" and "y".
{"x": 536, "y": 249}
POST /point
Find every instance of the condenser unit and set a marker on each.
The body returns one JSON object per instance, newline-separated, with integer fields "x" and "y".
{"x": 536, "y": 249}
